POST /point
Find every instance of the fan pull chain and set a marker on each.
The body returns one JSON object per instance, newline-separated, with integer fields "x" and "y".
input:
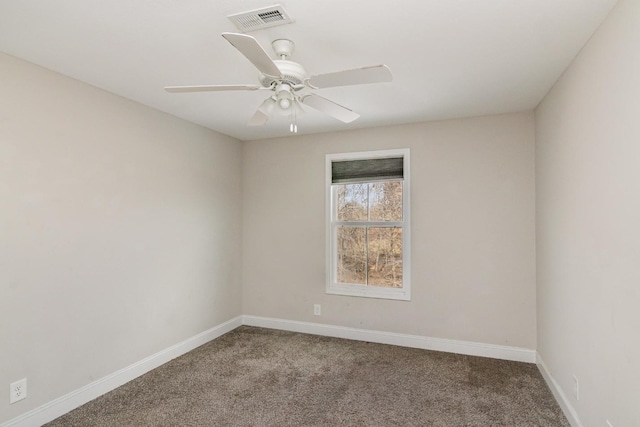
{"x": 293, "y": 127}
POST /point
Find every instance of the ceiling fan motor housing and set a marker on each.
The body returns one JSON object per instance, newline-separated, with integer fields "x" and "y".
{"x": 293, "y": 74}
{"x": 283, "y": 47}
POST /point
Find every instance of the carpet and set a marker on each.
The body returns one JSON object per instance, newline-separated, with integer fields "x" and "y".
{"x": 262, "y": 377}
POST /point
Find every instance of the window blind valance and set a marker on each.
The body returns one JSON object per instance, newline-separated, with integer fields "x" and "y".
{"x": 367, "y": 170}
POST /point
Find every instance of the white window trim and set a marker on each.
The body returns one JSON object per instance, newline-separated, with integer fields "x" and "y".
{"x": 332, "y": 287}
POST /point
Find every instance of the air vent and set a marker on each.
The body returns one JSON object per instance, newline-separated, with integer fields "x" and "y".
{"x": 260, "y": 18}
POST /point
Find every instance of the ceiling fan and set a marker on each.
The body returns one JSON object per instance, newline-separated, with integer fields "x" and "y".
{"x": 288, "y": 79}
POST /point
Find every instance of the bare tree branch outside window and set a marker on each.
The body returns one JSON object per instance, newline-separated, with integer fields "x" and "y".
{"x": 369, "y": 252}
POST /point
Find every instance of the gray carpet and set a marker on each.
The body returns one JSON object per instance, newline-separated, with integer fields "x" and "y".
{"x": 262, "y": 377}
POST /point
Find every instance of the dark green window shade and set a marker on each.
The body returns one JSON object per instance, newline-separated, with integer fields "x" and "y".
{"x": 367, "y": 170}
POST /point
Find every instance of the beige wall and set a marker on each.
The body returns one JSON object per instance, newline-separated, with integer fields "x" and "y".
{"x": 473, "y": 247}
{"x": 588, "y": 224}
{"x": 119, "y": 232}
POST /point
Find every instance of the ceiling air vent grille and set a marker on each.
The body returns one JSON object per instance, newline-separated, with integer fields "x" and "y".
{"x": 260, "y": 18}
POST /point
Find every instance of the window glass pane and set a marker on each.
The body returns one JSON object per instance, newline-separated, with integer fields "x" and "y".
{"x": 385, "y": 256}
{"x": 385, "y": 201}
{"x": 351, "y": 255}
{"x": 351, "y": 200}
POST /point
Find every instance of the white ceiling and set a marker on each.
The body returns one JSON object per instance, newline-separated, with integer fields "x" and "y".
{"x": 449, "y": 58}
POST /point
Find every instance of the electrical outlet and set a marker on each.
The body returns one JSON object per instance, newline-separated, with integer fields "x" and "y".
{"x": 576, "y": 388}
{"x": 609, "y": 424}
{"x": 18, "y": 390}
{"x": 316, "y": 309}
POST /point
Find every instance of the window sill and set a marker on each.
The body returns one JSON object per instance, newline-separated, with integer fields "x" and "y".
{"x": 398, "y": 294}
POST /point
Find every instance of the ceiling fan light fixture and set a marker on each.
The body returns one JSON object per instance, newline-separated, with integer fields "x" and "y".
{"x": 284, "y": 99}
{"x": 285, "y": 103}
{"x": 268, "y": 106}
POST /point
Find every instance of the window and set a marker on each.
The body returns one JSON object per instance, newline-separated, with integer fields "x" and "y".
{"x": 368, "y": 224}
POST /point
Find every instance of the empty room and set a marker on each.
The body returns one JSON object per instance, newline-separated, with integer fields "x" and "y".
{"x": 423, "y": 212}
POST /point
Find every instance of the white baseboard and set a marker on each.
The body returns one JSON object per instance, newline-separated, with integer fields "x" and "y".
{"x": 568, "y": 409}
{"x": 415, "y": 341}
{"x": 76, "y": 398}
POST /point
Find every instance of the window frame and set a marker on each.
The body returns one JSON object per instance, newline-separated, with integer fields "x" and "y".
{"x": 357, "y": 290}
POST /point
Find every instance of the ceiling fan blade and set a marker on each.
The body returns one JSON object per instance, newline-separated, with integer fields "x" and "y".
{"x": 357, "y": 76}
{"x": 210, "y": 88}
{"x": 329, "y": 107}
{"x": 297, "y": 107}
{"x": 258, "y": 119}
{"x": 251, "y": 49}
{"x": 264, "y": 112}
